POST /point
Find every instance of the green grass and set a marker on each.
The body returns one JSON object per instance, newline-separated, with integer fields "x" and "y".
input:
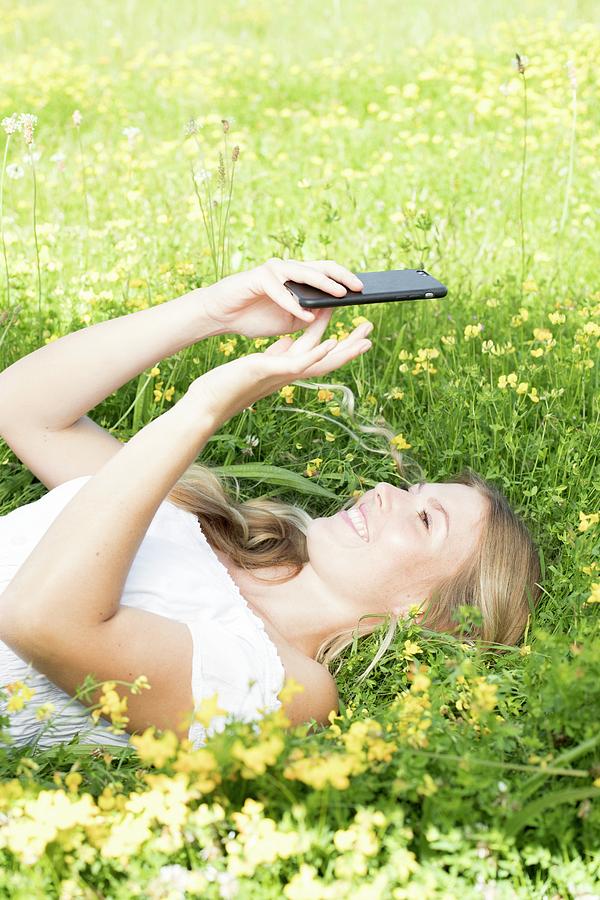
{"x": 379, "y": 137}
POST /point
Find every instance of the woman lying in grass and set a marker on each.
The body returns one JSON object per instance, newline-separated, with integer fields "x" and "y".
{"x": 136, "y": 562}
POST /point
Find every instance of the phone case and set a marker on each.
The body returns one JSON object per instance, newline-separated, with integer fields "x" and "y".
{"x": 379, "y": 287}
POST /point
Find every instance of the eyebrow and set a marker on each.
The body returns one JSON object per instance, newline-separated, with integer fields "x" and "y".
{"x": 437, "y": 505}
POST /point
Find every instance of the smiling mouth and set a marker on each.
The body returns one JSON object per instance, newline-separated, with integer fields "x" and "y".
{"x": 357, "y": 519}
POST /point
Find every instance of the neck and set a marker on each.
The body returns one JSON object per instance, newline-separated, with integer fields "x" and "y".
{"x": 303, "y": 610}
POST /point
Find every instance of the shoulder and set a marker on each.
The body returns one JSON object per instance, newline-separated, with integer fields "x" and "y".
{"x": 320, "y": 695}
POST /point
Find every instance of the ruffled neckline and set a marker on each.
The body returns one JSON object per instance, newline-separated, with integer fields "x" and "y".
{"x": 243, "y": 603}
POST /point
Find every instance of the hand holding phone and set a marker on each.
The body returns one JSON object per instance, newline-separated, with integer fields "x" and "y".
{"x": 379, "y": 287}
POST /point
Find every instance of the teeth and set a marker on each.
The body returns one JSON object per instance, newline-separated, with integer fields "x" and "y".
{"x": 358, "y": 522}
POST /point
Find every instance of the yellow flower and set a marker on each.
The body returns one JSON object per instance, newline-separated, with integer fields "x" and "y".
{"x": 358, "y": 320}
{"x": 20, "y": 695}
{"x": 586, "y": 520}
{"x": 329, "y": 436}
{"x": 542, "y": 334}
{"x": 557, "y": 318}
{"x": 448, "y": 339}
{"x": 484, "y": 696}
{"x": 539, "y": 351}
{"x": 533, "y": 395}
{"x": 325, "y": 395}
{"x": 73, "y": 780}
{"x": 313, "y": 466}
{"x": 394, "y": 394}
{"x": 595, "y": 594}
{"x": 287, "y": 393}
{"x": 520, "y": 318}
{"x": 155, "y": 372}
{"x": 153, "y": 750}
{"x": 411, "y": 648}
{"x": 400, "y": 443}
{"x": 208, "y": 709}
{"x": 522, "y": 387}
{"x": 110, "y": 704}
{"x": 227, "y": 347}
{"x": 45, "y": 710}
{"x": 472, "y": 331}
{"x": 256, "y": 757}
{"x": 530, "y": 286}
{"x": 140, "y": 683}
{"x": 410, "y": 91}
{"x": 341, "y": 331}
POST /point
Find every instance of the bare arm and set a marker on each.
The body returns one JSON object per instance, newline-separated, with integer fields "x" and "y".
{"x": 57, "y": 384}
{"x": 75, "y": 575}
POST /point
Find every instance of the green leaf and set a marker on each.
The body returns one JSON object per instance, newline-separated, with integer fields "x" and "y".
{"x": 275, "y": 475}
{"x": 550, "y": 800}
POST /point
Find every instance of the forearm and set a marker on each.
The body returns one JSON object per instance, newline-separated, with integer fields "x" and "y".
{"x": 58, "y": 383}
{"x": 76, "y": 573}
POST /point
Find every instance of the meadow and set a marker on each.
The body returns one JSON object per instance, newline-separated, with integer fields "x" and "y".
{"x": 462, "y": 141}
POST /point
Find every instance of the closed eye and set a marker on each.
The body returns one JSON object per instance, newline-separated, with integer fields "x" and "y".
{"x": 425, "y": 519}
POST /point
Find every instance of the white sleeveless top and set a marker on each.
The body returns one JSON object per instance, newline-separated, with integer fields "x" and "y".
{"x": 176, "y": 574}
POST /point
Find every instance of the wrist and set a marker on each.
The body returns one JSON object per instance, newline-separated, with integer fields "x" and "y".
{"x": 194, "y": 307}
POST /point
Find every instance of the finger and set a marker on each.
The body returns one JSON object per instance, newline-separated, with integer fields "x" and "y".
{"x": 313, "y": 333}
{"x": 336, "y": 358}
{"x": 303, "y": 274}
{"x": 284, "y": 297}
{"x": 280, "y": 346}
{"x": 361, "y": 331}
{"x": 340, "y": 273}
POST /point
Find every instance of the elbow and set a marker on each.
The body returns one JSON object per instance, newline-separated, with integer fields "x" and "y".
{"x": 21, "y": 628}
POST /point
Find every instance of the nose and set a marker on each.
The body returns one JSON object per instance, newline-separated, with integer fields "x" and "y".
{"x": 384, "y": 493}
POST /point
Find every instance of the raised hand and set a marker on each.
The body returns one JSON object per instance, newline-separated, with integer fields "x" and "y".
{"x": 233, "y": 386}
{"x": 257, "y": 304}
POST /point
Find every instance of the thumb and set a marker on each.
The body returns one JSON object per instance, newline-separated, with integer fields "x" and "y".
{"x": 279, "y": 346}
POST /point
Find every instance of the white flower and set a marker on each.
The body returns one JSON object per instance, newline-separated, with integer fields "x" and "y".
{"x": 131, "y": 133}
{"x": 32, "y": 156}
{"x": 12, "y": 123}
{"x": 14, "y": 171}
{"x": 201, "y": 175}
{"x": 77, "y": 118}
{"x": 28, "y": 123}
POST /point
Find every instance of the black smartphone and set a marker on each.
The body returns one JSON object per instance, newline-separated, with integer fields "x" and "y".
{"x": 379, "y": 287}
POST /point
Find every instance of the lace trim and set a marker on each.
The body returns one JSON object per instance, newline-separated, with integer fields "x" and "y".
{"x": 258, "y": 622}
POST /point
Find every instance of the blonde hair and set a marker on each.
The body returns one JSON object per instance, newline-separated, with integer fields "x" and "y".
{"x": 500, "y": 579}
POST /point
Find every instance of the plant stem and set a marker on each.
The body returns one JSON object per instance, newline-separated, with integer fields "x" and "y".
{"x": 37, "y": 249}
{"x": 2, "y": 219}
{"x": 85, "y": 196}
{"x": 565, "y": 209}
{"x": 211, "y": 233}
{"x": 229, "y": 201}
{"x": 522, "y": 184}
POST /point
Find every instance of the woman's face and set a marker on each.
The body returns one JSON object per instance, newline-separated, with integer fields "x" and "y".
{"x": 409, "y": 540}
